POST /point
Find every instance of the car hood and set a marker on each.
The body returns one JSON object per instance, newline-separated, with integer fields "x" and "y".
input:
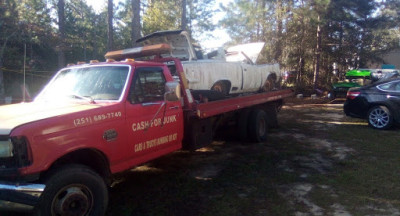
{"x": 358, "y": 73}
{"x": 12, "y": 116}
{"x": 178, "y": 40}
{"x": 251, "y": 50}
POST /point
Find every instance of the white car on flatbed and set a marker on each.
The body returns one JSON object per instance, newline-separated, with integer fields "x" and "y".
{"x": 229, "y": 72}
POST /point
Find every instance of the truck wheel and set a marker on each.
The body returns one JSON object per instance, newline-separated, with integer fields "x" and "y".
{"x": 221, "y": 87}
{"x": 74, "y": 190}
{"x": 380, "y": 117}
{"x": 258, "y": 126}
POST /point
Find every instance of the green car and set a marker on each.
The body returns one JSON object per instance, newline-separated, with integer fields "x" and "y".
{"x": 353, "y": 78}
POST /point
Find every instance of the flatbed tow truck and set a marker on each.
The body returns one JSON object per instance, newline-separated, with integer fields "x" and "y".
{"x": 60, "y": 153}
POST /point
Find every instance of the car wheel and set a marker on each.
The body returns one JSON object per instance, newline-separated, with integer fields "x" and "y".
{"x": 269, "y": 84}
{"x": 258, "y": 126}
{"x": 380, "y": 117}
{"x": 332, "y": 95}
{"x": 221, "y": 87}
{"x": 73, "y": 190}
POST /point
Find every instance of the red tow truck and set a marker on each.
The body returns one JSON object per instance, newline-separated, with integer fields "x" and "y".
{"x": 59, "y": 153}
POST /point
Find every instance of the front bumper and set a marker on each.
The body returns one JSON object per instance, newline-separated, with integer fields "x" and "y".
{"x": 19, "y": 197}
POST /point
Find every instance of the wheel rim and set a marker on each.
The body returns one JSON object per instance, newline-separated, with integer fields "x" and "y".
{"x": 267, "y": 85}
{"x": 262, "y": 127}
{"x": 218, "y": 88}
{"x": 72, "y": 200}
{"x": 379, "y": 118}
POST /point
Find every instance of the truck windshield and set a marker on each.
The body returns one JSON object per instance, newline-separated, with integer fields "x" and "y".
{"x": 87, "y": 83}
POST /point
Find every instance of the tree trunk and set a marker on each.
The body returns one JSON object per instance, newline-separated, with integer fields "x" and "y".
{"x": 342, "y": 56}
{"x": 279, "y": 19}
{"x": 61, "y": 31}
{"x": 317, "y": 54}
{"x": 264, "y": 18}
{"x": 136, "y": 27}
{"x": 1, "y": 81}
{"x": 183, "y": 18}
{"x": 110, "y": 35}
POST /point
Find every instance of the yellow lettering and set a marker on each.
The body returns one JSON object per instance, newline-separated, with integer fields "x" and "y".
{"x": 134, "y": 126}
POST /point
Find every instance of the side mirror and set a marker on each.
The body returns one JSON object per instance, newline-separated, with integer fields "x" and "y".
{"x": 172, "y": 91}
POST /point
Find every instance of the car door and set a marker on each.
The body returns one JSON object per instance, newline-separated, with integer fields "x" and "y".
{"x": 393, "y": 94}
{"x": 154, "y": 126}
{"x": 251, "y": 77}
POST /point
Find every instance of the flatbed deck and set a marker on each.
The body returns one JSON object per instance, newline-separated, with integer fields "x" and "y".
{"x": 205, "y": 110}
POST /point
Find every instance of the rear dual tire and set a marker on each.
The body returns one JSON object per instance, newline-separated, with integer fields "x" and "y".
{"x": 258, "y": 126}
{"x": 252, "y": 125}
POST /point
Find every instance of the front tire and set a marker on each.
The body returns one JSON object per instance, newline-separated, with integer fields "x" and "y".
{"x": 73, "y": 190}
{"x": 380, "y": 117}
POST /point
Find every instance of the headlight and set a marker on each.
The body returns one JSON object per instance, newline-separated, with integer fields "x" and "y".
{"x": 6, "y": 149}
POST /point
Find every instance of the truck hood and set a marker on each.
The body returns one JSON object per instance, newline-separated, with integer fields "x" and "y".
{"x": 251, "y": 50}
{"x": 12, "y": 116}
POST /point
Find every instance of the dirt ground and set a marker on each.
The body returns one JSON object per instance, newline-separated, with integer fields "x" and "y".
{"x": 318, "y": 162}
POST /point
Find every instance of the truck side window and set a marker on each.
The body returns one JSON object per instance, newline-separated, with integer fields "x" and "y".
{"x": 148, "y": 85}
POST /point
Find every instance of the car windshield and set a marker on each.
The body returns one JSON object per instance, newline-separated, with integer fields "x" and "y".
{"x": 87, "y": 83}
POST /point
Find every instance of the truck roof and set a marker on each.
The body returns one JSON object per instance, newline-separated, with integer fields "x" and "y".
{"x": 127, "y": 61}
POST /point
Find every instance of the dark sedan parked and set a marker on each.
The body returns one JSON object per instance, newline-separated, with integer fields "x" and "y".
{"x": 379, "y": 103}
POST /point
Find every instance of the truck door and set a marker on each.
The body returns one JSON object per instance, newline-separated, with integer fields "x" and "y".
{"x": 154, "y": 126}
{"x": 251, "y": 77}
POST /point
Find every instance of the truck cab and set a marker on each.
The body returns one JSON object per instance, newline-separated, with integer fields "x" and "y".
{"x": 106, "y": 117}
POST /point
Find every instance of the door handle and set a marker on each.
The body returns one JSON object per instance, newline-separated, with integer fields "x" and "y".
{"x": 390, "y": 96}
{"x": 150, "y": 104}
{"x": 173, "y": 107}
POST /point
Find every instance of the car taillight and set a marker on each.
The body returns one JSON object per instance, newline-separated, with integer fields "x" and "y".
{"x": 352, "y": 94}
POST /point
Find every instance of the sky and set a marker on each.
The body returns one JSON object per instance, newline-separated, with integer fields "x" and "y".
{"x": 220, "y": 35}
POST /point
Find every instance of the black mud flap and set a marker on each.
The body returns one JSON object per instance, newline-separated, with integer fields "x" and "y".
{"x": 272, "y": 115}
{"x": 198, "y": 134}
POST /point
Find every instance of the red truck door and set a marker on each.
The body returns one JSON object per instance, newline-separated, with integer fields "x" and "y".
{"x": 154, "y": 126}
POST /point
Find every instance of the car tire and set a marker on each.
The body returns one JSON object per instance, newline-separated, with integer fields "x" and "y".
{"x": 380, "y": 117}
{"x": 258, "y": 125}
{"x": 221, "y": 87}
{"x": 73, "y": 190}
{"x": 270, "y": 83}
{"x": 332, "y": 95}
